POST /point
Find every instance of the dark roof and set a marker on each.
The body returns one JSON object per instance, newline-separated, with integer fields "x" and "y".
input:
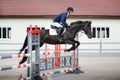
{"x": 46, "y": 8}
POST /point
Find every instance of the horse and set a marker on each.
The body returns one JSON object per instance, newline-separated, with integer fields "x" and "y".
{"x": 67, "y": 37}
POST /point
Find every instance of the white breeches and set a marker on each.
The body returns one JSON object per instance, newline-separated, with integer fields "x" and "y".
{"x": 56, "y": 24}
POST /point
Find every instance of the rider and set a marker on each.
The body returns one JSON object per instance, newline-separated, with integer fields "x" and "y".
{"x": 59, "y": 22}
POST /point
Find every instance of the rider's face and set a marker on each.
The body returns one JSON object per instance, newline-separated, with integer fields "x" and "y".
{"x": 70, "y": 12}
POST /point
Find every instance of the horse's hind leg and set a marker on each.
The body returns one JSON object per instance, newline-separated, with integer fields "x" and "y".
{"x": 24, "y": 45}
{"x": 41, "y": 44}
{"x": 24, "y": 58}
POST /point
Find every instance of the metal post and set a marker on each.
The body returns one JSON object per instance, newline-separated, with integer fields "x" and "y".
{"x": 100, "y": 46}
{"x": 33, "y": 42}
{"x": 76, "y": 69}
{"x": 77, "y": 52}
{"x": 29, "y": 60}
{"x": 76, "y": 56}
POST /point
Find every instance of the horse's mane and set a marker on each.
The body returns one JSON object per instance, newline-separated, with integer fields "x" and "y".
{"x": 77, "y": 22}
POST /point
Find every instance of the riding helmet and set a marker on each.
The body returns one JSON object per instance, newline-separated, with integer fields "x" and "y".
{"x": 70, "y": 9}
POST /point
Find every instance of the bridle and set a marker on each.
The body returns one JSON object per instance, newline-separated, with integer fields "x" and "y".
{"x": 82, "y": 31}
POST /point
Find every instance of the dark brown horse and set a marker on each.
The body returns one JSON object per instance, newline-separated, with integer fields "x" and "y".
{"x": 68, "y": 36}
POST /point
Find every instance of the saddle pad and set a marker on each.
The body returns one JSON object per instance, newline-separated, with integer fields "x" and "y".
{"x": 52, "y": 32}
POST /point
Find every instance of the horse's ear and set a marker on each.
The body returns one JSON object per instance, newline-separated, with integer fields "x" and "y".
{"x": 43, "y": 28}
{"x": 90, "y": 22}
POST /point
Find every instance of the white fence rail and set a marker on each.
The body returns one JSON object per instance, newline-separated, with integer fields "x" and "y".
{"x": 100, "y": 47}
{"x": 85, "y": 47}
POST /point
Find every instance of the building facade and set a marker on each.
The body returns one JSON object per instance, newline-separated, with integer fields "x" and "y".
{"x": 16, "y": 16}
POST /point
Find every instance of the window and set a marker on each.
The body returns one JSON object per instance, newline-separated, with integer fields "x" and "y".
{"x": 100, "y": 32}
{"x": 5, "y": 32}
{"x": 94, "y": 32}
{"x": 0, "y": 32}
{"x": 107, "y": 32}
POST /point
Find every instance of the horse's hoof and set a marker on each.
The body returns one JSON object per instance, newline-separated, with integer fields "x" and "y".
{"x": 61, "y": 49}
{"x": 66, "y": 51}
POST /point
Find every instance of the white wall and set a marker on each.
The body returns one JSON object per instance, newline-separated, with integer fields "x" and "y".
{"x": 19, "y": 29}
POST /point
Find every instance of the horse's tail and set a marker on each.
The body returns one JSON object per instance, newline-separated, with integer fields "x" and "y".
{"x": 24, "y": 45}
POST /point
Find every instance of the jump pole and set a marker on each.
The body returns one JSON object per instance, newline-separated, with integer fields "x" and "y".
{"x": 14, "y": 56}
{"x": 57, "y": 48}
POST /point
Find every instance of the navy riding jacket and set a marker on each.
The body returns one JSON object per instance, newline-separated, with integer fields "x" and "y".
{"x": 61, "y": 18}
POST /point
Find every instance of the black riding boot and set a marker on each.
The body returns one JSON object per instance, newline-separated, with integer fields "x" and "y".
{"x": 60, "y": 34}
{"x": 59, "y": 31}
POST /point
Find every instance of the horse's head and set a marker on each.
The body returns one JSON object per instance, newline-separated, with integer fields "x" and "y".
{"x": 87, "y": 29}
{"x": 82, "y": 25}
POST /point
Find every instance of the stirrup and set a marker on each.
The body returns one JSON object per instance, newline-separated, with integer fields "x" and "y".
{"x": 53, "y": 27}
{"x": 60, "y": 39}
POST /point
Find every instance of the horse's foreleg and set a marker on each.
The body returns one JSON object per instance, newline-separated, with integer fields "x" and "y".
{"x": 23, "y": 60}
{"x": 77, "y": 43}
{"x": 74, "y": 44}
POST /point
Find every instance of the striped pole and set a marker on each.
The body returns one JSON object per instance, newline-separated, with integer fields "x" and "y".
{"x": 56, "y": 72}
{"x": 12, "y": 67}
{"x": 14, "y": 56}
{"x": 74, "y": 58}
{"x": 25, "y": 78}
{"x": 57, "y": 48}
{"x": 46, "y": 53}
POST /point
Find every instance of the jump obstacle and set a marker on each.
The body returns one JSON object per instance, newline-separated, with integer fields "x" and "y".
{"x": 37, "y": 64}
{"x": 33, "y": 39}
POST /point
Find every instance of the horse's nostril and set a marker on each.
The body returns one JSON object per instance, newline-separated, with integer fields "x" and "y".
{"x": 90, "y": 36}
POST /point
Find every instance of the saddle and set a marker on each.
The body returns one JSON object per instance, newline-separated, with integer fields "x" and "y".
{"x": 59, "y": 30}
{"x": 56, "y": 28}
